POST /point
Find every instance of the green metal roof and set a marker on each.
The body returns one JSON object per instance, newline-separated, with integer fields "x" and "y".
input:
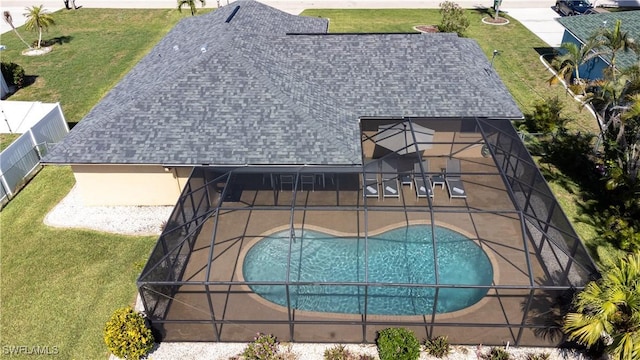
{"x": 583, "y": 26}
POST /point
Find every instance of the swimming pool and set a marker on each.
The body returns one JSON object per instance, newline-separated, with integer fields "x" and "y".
{"x": 400, "y": 256}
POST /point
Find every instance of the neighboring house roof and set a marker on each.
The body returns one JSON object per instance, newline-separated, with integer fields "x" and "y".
{"x": 243, "y": 92}
{"x": 584, "y": 26}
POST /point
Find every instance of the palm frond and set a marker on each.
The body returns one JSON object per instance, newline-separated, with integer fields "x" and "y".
{"x": 584, "y": 329}
{"x": 626, "y": 347}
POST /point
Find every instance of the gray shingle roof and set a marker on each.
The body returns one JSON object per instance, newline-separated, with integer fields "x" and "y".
{"x": 584, "y": 26}
{"x": 258, "y": 96}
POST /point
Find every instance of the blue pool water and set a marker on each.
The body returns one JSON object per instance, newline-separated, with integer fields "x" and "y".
{"x": 400, "y": 256}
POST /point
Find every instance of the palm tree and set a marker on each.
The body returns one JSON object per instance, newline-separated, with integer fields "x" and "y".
{"x": 38, "y": 19}
{"x": 574, "y": 56}
{"x": 612, "y": 41}
{"x": 616, "y": 102}
{"x": 618, "y": 110}
{"x": 496, "y": 8}
{"x": 191, "y": 3}
{"x": 608, "y": 310}
{"x": 9, "y": 20}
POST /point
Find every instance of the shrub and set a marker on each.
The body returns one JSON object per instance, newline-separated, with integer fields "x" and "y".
{"x": 453, "y": 18}
{"x": 397, "y": 344}
{"x": 127, "y": 335}
{"x": 438, "y": 347}
{"x": 13, "y": 74}
{"x": 263, "y": 347}
{"x": 497, "y": 353}
{"x": 616, "y": 226}
{"x": 546, "y": 116}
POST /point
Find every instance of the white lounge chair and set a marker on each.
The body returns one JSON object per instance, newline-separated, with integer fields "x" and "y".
{"x": 390, "y": 188}
{"x": 423, "y": 184}
{"x": 370, "y": 182}
{"x": 453, "y": 180}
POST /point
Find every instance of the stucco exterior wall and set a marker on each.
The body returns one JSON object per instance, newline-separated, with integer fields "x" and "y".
{"x": 109, "y": 185}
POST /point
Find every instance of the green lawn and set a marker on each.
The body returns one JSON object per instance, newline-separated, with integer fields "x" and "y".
{"x": 95, "y": 49}
{"x": 7, "y": 139}
{"x": 60, "y": 286}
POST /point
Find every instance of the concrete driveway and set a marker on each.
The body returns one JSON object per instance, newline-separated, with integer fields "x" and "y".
{"x": 540, "y": 21}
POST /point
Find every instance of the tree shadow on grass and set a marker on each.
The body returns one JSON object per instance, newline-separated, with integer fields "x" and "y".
{"x": 483, "y": 10}
{"x": 552, "y": 175}
{"x": 58, "y": 40}
{"x": 29, "y": 80}
{"x": 546, "y": 51}
{"x": 572, "y": 155}
{"x": 569, "y": 161}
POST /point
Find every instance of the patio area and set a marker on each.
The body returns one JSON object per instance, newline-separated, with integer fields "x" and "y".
{"x": 194, "y": 288}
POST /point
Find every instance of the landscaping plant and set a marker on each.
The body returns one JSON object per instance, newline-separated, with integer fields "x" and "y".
{"x": 541, "y": 356}
{"x": 397, "y": 344}
{"x": 607, "y": 311}
{"x": 546, "y": 117}
{"x": 263, "y": 347}
{"x": 191, "y": 4}
{"x": 13, "y": 74}
{"x": 497, "y": 353}
{"x": 339, "y": 352}
{"x": 38, "y": 19}
{"x": 438, "y": 347}
{"x": 127, "y": 335}
{"x": 453, "y": 18}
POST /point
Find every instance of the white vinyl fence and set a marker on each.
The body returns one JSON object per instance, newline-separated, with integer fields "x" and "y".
{"x": 20, "y": 161}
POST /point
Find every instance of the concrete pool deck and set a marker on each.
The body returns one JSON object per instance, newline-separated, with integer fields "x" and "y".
{"x": 499, "y": 234}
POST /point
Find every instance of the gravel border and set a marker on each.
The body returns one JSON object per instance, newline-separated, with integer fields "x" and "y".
{"x": 126, "y": 220}
{"x": 308, "y": 351}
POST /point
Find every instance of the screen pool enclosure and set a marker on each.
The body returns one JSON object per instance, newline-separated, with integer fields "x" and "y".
{"x": 447, "y": 227}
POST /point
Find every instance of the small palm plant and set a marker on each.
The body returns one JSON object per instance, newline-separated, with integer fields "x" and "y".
{"x": 570, "y": 61}
{"x": 192, "y": 5}
{"x": 608, "y": 311}
{"x": 38, "y": 19}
